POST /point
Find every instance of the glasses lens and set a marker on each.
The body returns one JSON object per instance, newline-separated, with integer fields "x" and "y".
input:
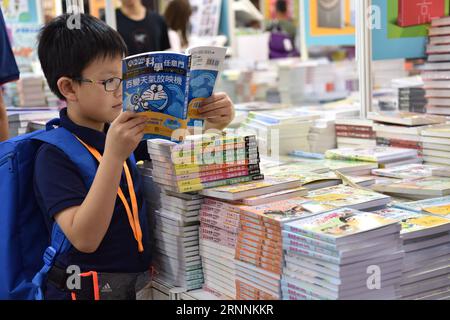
{"x": 112, "y": 84}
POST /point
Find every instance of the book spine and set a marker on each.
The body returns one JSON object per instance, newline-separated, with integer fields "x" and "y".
{"x": 312, "y": 254}
{"x": 288, "y": 236}
{"x": 271, "y": 224}
{"x": 306, "y": 246}
{"x": 215, "y": 177}
{"x": 186, "y": 90}
{"x": 223, "y": 224}
{"x": 342, "y": 127}
{"x": 186, "y": 152}
{"x": 188, "y": 169}
{"x": 210, "y": 204}
{"x": 260, "y": 233}
{"x": 205, "y": 174}
{"x": 358, "y": 135}
{"x": 310, "y": 234}
{"x": 261, "y": 250}
{"x": 220, "y": 214}
{"x": 220, "y": 157}
{"x": 258, "y": 242}
{"x": 234, "y": 181}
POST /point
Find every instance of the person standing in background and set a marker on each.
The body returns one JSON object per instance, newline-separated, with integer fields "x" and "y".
{"x": 177, "y": 17}
{"x": 141, "y": 29}
{"x": 282, "y": 20}
{"x": 8, "y": 72}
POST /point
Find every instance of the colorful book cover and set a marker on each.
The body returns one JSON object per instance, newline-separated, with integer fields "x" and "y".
{"x": 374, "y": 154}
{"x": 339, "y": 223}
{"x": 236, "y": 189}
{"x": 409, "y": 171}
{"x": 413, "y": 221}
{"x": 343, "y": 196}
{"x": 168, "y": 88}
{"x": 282, "y": 211}
{"x": 423, "y": 186}
{"x": 436, "y": 206}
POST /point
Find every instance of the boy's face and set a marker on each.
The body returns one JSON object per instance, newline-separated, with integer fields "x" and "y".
{"x": 94, "y": 101}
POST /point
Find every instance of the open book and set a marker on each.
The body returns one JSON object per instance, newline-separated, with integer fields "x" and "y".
{"x": 168, "y": 88}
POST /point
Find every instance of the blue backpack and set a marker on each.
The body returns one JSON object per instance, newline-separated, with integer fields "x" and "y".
{"x": 25, "y": 239}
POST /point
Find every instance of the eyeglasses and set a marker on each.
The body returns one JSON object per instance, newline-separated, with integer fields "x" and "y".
{"x": 110, "y": 85}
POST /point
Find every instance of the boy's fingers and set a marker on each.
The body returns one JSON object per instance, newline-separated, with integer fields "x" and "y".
{"x": 214, "y": 98}
{"x": 131, "y": 123}
{"x": 223, "y": 104}
{"x": 125, "y": 116}
{"x": 216, "y": 113}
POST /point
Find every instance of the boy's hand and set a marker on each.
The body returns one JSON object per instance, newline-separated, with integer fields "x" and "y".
{"x": 217, "y": 110}
{"x": 124, "y": 135}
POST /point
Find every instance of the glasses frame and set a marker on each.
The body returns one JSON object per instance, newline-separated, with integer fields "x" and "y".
{"x": 102, "y": 82}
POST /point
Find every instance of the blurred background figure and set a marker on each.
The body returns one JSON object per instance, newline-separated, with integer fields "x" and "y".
{"x": 142, "y": 30}
{"x": 177, "y": 16}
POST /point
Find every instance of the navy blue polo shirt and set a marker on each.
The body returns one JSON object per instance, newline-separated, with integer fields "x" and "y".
{"x": 58, "y": 185}
{"x": 8, "y": 67}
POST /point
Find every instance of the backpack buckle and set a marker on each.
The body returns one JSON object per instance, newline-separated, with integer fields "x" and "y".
{"x": 49, "y": 256}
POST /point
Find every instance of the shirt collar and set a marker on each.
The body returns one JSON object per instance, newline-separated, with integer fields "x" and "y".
{"x": 89, "y": 136}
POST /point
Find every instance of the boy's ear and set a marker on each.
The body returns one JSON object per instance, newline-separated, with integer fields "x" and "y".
{"x": 67, "y": 88}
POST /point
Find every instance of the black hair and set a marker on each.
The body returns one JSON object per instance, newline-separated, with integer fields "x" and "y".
{"x": 69, "y": 43}
{"x": 281, "y": 6}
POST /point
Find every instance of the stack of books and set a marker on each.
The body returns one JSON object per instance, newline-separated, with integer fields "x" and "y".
{"x": 322, "y": 136}
{"x": 354, "y": 133}
{"x": 406, "y": 172}
{"x": 436, "y": 145}
{"x": 435, "y": 72}
{"x": 342, "y": 254}
{"x": 347, "y": 167}
{"x": 219, "y": 226}
{"x": 412, "y": 99}
{"x": 30, "y": 90}
{"x": 345, "y": 196}
{"x": 259, "y": 250}
{"x": 174, "y": 224}
{"x": 385, "y": 156}
{"x": 312, "y": 180}
{"x": 20, "y": 118}
{"x": 435, "y": 206}
{"x": 417, "y": 189}
{"x": 402, "y": 129}
{"x": 175, "y": 230}
{"x": 204, "y": 161}
{"x": 281, "y": 131}
{"x": 426, "y": 243}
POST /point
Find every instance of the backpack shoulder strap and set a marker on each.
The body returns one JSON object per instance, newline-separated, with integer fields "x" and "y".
{"x": 66, "y": 142}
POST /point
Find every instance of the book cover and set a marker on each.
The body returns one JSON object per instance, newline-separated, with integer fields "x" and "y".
{"x": 343, "y": 196}
{"x": 373, "y": 154}
{"x": 281, "y": 211}
{"x": 417, "y": 12}
{"x": 233, "y": 192}
{"x": 339, "y": 223}
{"x": 168, "y": 87}
{"x": 413, "y": 222}
{"x": 435, "y": 206}
{"x": 428, "y": 186}
{"x": 409, "y": 171}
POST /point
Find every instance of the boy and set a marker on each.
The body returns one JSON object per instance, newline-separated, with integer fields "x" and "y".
{"x": 83, "y": 67}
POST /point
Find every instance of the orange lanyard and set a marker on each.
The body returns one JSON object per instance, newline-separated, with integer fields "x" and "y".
{"x": 133, "y": 216}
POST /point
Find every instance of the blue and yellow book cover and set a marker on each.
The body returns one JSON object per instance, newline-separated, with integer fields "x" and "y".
{"x": 168, "y": 88}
